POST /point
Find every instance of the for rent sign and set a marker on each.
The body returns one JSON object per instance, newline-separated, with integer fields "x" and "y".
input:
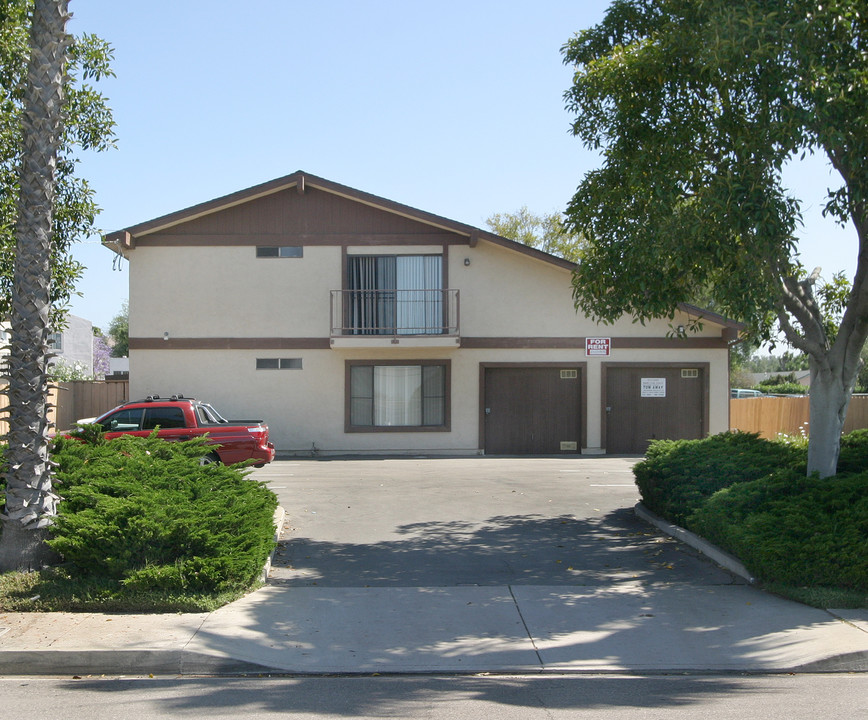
{"x": 598, "y": 346}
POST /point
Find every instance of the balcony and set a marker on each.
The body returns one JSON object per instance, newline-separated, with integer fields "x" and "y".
{"x": 383, "y": 318}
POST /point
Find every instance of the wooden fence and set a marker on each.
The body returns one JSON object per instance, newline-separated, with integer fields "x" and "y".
{"x": 73, "y": 401}
{"x": 769, "y": 416}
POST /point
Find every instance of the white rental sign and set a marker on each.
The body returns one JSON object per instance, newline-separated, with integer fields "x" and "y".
{"x": 654, "y": 387}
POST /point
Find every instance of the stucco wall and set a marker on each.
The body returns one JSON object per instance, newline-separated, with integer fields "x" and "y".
{"x": 306, "y": 407}
{"x": 77, "y": 343}
{"x": 227, "y": 292}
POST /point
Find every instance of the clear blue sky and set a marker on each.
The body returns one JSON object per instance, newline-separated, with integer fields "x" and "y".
{"x": 452, "y": 107}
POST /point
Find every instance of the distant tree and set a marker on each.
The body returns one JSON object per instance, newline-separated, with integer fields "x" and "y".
{"x": 543, "y": 232}
{"x": 695, "y": 107}
{"x": 101, "y": 354}
{"x": 119, "y": 331}
{"x": 786, "y": 362}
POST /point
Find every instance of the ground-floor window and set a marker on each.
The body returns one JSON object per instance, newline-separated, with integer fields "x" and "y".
{"x": 398, "y": 396}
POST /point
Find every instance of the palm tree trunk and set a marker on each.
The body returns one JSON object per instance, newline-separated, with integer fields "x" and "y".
{"x": 30, "y": 502}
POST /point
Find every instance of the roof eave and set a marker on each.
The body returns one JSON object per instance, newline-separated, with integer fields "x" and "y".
{"x": 125, "y": 239}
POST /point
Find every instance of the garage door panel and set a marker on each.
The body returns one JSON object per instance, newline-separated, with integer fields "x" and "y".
{"x": 646, "y": 403}
{"x": 532, "y": 411}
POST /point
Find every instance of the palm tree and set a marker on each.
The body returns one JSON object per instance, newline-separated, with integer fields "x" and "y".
{"x": 30, "y": 502}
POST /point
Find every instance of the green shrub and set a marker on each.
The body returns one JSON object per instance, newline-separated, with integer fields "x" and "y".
{"x": 794, "y": 530}
{"x": 677, "y": 476}
{"x": 854, "y": 452}
{"x": 778, "y": 379}
{"x": 782, "y": 388}
{"x": 145, "y": 513}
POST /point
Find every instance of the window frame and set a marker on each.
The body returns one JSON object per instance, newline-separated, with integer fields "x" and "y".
{"x": 284, "y": 363}
{"x": 127, "y": 426}
{"x": 377, "y": 309}
{"x": 281, "y": 252}
{"x": 447, "y": 397}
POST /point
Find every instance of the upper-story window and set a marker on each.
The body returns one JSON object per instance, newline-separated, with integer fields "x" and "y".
{"x": 395, "y": 294}
{"x": 279, "y": 251}
{"x": 55, "y": 341}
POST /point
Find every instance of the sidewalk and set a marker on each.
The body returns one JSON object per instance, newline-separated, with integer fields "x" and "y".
{"x": 447, "y": 630}
{"x": 636, "y": 627}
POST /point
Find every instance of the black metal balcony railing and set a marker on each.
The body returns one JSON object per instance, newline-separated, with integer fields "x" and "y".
{"x": 394, "y": 312}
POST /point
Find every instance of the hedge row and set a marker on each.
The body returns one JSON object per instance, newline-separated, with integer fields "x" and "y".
{"x": 678, "y": 476}
{"x": 146, "y": 514}
{"x": 753, "y": 498}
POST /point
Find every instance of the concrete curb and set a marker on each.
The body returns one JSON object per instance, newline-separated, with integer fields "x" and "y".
{"x": 122, "y": 662}
{"x": 279, "y": 518}
{"x": 722, "y": 558}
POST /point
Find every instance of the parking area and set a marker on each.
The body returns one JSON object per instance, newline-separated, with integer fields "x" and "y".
{"x": 481, "y": 521}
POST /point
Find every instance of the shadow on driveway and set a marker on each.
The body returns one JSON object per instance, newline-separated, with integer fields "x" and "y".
{"x": 502, "y": 550}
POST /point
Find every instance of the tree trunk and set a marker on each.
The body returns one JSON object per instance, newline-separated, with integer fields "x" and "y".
{"x": 30, "y": 502}
{"x": 829, "y": 401}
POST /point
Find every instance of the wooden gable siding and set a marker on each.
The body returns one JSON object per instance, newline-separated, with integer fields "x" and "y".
{"x": 313, "y": 218}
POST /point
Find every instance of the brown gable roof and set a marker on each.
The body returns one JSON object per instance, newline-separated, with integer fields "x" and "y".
{"x": 126, "y": 238}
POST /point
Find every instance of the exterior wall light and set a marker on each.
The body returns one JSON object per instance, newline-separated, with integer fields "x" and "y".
{"x": 166, "y": 335}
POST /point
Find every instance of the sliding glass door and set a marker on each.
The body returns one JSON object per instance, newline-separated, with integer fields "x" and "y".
{"x": 395, "y": 294}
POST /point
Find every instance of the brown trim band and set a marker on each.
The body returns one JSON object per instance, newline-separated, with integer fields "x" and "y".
{"x": 469, "y": 343}
{"x": 295, "y": 239}
{"x": 230, "y": 344}
{"x": 578, "y": 343}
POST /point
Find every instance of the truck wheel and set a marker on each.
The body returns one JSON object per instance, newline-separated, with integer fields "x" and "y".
{"x": 209, "y": 459}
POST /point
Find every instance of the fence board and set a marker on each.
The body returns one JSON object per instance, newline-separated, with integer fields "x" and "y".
{"x": 71, "y": 401}
{"x": 770, "y": 416}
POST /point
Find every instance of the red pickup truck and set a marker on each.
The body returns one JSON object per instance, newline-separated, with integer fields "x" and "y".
{"x": 183, "y": 418}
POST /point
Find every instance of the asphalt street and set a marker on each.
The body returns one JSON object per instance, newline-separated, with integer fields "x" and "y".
{"x": 727, "y": 697}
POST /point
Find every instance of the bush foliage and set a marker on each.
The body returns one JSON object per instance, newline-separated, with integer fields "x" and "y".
{"x": 678, "y": 476}
{"x": 146, "y": 514}
{"x": 753, "y": 498}
{"x": 793, "y": 529}
{"x": 782, "y": 389}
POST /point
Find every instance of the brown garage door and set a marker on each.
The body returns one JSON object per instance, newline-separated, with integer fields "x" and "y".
{"x": 644, "y": 403}
{"x": 532, "y": 410}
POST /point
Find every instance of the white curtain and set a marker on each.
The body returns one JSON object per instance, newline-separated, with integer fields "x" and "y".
{"x": 397, "y": 395}
{"x": 420, "y": 302}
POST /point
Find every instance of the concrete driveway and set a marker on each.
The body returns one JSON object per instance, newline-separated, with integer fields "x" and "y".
{"x": 478, "y": 565}
{"x": 482, "y": 521}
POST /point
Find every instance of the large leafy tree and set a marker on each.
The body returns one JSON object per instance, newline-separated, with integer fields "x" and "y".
{"x": 696, "y": 106}
{"x": 543, "y": 232}
{"x": 42, "y": 123}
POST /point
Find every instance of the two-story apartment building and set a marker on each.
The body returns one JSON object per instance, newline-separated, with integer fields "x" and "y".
{"x": 354, "y": 324}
